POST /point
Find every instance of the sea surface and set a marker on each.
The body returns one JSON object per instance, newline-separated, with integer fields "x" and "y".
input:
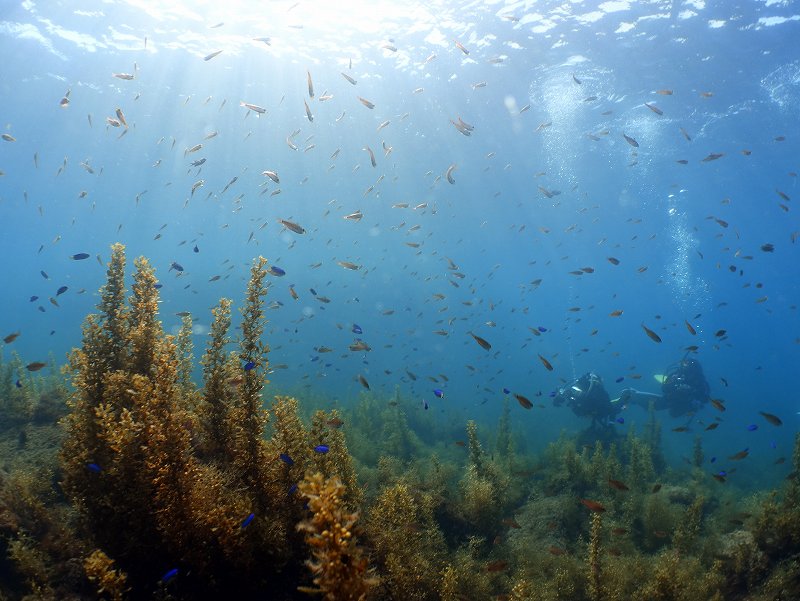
{"x": 550, "y": 177}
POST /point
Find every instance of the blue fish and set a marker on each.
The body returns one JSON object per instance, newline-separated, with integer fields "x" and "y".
{"x": 752, "y": 428}
{"x": 176, "y": 266}
{"x": 158, "y": 286}
{"x": 33, "y": 298}
{"x": 314, "y": 358}
{"x": 620, "y": 420}
{"x": 312, "y": 291}
{"x": 357, "y": 329}
{"x": 79, "y": 256}
{"x": 93, "y": 467}
{"x": 506, "y": 391}
{"x": 18, "y": 384}
{"x": 542, "y": 329}
{"x": 44, "y": 275}
{"x": 249, "y": 365}
{"x": 247, "y": 520}
{"x": 618, "y": 380}
{"x": 722, "y": 473}
{"x": 275, "y": 270}
{"x": 322, "y": 448}
{"x": 439, "y": 393}
{"x": 292, "y": 489}
{"x": 713, "y": 460}
{"x": 41, "y": 309}
{"x": 424, "y": 404}
{"x": 772, "y": 444}
{"x": 61, "y": 290}
{"x": 195, "y": 249}
{"x": 286, "y": 459}
{"x": 169, "y": 575}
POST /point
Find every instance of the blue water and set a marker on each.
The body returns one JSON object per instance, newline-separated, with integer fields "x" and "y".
{"x": 734, "y": 73}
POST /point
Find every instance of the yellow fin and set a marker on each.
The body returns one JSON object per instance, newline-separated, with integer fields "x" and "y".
{"x": 659, "y": 378}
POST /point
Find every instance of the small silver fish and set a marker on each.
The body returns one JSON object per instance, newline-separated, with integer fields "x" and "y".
{"x": 253, "y": 107}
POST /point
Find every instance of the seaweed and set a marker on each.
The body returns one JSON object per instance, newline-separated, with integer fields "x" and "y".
{"x": 339, "y": 567}
{"x": 155, "y": 486}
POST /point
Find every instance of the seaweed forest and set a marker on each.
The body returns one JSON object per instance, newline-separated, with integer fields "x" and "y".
{"x": 123, "y": 478}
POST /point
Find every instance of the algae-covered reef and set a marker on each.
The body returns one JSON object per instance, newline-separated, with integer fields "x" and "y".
{"x": 155, "y": 487}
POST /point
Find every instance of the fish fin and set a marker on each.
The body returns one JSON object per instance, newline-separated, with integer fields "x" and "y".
{"x": 660, "y": 378}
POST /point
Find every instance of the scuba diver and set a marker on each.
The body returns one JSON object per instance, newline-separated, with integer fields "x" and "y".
{"x": 684, "y": 390}
{"x": 587, "y": 397}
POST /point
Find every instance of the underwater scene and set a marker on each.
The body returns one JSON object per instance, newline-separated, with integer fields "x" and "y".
{"x": 440, "y": 301}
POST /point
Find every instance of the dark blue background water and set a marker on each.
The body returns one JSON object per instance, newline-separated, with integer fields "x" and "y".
{"x": 735, "y": 77}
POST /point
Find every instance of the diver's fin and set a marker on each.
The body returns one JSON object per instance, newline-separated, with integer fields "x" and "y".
{"x": 660, "y": 378}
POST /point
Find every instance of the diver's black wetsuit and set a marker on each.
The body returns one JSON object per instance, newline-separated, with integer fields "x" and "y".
{"x": 683, "y": 391}
{"x": 587, "y": 397}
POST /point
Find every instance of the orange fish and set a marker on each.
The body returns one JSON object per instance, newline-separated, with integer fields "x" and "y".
{"x": 546, "y": 363}
{"x": 291, "y": 225}
{"x": 618, "y": 484}
{"x": 689, "y": 327}
{"x": 335, "y": 422}
{"x": 366, "y": 102}
{"x": 654, "y": 108}
{"x": 481, "y": 341}
{"x": 740, "y": 455}
{"x": 35, "y": 366}
{"x": 496, "y": 566}
{"x": 773, "y": 419}
{"x": 651, "y": 334}
{"x": 593, "y": 505}
{"x": 631, "y": 141}
{"x": 717, "y": 403}
{"x": 526, "y": 404}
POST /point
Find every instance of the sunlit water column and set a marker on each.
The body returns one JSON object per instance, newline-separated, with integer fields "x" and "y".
{"x": 690, "y": 290}
{"x": 560, "y": 97}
